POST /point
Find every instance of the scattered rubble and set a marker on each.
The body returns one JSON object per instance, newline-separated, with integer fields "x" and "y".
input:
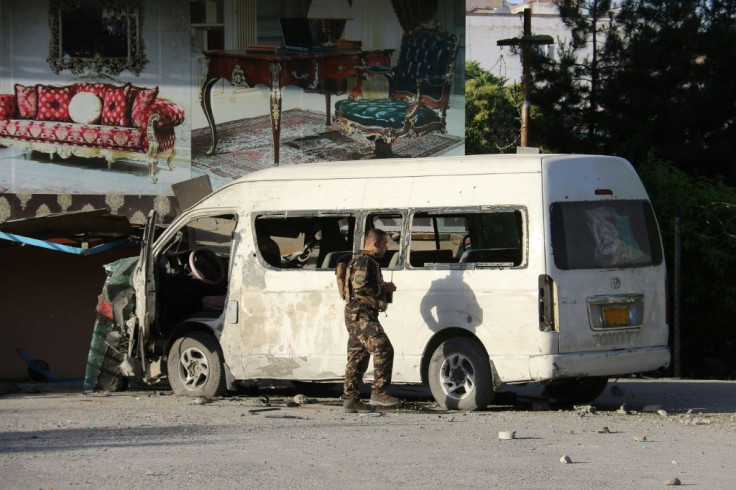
{"x": 586, "y": 409}
{"x": 506, "y": 435}
{"x": 260, "y": 410}
{"x": 302, "y": 399}
{"x": 604, "y": 430}
{"x": 673, "y": 481}
{"x": 565, "y": 459}
{"x": 284, "y": 416}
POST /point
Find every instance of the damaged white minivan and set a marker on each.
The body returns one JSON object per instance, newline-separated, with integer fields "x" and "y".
{"x": 510, "y": 269}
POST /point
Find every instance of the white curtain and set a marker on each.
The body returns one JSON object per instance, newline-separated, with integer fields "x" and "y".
{"x": 374, "y": 22}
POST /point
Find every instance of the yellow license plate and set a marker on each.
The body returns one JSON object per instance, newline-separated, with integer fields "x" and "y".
{"x": 616, "y": 315}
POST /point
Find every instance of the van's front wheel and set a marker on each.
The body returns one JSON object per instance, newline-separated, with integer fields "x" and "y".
{"x": 460, "y": 375}
{"x": 195, "y": 366}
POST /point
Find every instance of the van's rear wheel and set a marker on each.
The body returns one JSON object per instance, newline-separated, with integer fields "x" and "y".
{"x": 195, "y": 366}
{"x": 460, "y": 375}
{"x": 577, "y": 390}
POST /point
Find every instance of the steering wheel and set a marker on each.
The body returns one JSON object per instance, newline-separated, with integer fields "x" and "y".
{"x": 206, "y": 266}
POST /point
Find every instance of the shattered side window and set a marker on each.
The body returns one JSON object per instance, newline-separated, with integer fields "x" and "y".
{"x": 604, "y": 234}
{"x": 304, "y": 242}
{"x": 393, "y": 225}
{"x": 490, "y": 238}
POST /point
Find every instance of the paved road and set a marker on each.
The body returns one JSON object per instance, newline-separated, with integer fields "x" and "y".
{"x": 60, "y": 438}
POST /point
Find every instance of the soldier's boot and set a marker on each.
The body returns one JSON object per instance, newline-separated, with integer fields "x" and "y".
{"x": 354, "y": 406}
{"x": 384, "y": 400}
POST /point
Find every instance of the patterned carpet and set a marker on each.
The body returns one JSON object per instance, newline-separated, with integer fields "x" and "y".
{"x": 246, "y": 145}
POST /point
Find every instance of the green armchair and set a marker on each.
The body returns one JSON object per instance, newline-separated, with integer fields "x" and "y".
{"x": 418, "y": 94}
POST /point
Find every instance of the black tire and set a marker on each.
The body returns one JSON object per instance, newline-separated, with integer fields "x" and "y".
{"x": 195, "y": 366}
{"x": 460, "y": 375}
{"x": 577, "y": 390}
{"x": 110, "y": 378}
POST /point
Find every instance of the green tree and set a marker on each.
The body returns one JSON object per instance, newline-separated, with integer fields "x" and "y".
{"x": 651, "y": 101}
{"x": 492, "y": 112}
{"x": 707, "y": 211}
{"x": 566, "y": 91}
{"x": 658, "y": 91}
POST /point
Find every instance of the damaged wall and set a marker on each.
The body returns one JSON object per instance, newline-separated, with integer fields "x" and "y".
{"x": 47, "y": 307}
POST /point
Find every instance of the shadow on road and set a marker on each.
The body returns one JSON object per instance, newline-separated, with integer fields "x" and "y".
{"x": 674, "y": 395}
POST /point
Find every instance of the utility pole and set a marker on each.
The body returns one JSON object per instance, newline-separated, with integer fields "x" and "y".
{"x": 526, "y": 42}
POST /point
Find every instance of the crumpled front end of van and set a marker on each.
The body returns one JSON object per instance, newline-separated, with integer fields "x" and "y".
{"x": 107, "y": 357}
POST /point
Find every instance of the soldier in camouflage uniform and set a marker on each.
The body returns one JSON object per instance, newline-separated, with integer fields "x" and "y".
{"x": 366, "y": 294}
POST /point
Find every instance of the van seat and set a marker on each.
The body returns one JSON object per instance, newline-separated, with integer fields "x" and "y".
{"x": 494, "y": 255}
{"x": 394, "y": 259}
{"x": 330, "y": 260}
{"x": 417, "y": 258}
{"x": 388, "y": 258}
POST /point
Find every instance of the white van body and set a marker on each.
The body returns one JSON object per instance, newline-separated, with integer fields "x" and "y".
{"x": 541, "y": 317}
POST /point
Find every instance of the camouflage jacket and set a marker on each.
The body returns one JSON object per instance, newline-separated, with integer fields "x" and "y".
{"x": 366, "y": 283}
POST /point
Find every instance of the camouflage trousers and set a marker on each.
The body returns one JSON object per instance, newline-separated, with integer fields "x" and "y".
{"x": 366, "y": 339}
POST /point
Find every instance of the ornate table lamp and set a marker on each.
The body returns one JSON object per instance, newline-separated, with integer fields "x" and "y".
{"x": 334, "y": 14}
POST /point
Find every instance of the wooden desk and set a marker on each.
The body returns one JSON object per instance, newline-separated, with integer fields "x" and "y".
{"x": 280, "y": 69}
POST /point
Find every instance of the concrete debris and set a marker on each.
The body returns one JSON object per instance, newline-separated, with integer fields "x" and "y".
{"x": 673, "y": 481}
{"x": 640, "y": 438}
{"x": 604, "y": 430}
{"x": 507, "y": 435}
{"x": 616, "y": 390}
{"x": 259, "y": 410}
{"x": 565, "y": 459}
{"x": 201, "y": 400}
{"x": 586, "y": 408}
{"x": 370, "y": 414}
{"x": 284, "y": 416}
{"x": 622, "y": 410}
{"x": 302, "y": 399}
{"x": 661, "y": 412}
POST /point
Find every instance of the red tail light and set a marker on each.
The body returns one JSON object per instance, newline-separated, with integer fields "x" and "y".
{"x": 104, "y": 308}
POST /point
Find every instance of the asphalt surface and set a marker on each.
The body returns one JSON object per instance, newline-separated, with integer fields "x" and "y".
{"x": 638, "y": 434}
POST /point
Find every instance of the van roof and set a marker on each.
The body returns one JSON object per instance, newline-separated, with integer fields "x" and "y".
{"x": 402, "y": 167}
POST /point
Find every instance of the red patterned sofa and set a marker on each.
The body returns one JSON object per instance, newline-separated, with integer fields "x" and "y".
{"x": 92, "y": 120}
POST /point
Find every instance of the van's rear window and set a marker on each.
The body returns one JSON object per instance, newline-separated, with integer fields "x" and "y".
{"x": 604, "y": 234}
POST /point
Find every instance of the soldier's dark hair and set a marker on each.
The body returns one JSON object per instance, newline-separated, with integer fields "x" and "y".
{"x": 374, "y": 234}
